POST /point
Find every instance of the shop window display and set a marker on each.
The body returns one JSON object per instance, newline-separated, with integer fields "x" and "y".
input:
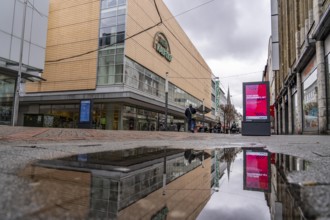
{"x": 310, "y": 106}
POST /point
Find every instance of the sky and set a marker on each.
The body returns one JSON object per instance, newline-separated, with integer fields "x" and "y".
{"x": 231, "y": 35}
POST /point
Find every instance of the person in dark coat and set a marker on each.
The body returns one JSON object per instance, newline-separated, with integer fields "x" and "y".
{"x": 191, "y": 117}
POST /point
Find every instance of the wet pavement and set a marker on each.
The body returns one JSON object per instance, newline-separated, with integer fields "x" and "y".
{"x": 50, "y": 173}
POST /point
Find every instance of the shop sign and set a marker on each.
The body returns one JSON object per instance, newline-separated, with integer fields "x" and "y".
{"x": 162, "y": 46}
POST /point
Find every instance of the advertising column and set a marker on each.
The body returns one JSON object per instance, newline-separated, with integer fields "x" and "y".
{"x": 256, "y": 110}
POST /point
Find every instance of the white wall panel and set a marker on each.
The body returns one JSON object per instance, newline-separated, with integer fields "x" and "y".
{"x": 37, "y": 56}
{"x": 6, "y": 15}
{"x": 5, "y": 45}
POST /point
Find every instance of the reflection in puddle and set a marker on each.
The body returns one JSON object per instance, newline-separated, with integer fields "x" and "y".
{"x": 130, "y": 184}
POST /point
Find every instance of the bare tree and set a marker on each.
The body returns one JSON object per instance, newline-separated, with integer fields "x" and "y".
{"x": 229, "y": 113}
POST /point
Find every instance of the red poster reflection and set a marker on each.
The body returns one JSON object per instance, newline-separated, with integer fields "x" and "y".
{"x": 256, "y": 101}
{"x": 257, "y": 170}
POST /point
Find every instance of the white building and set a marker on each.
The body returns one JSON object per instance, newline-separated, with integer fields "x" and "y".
{"x": 33, "y": 57}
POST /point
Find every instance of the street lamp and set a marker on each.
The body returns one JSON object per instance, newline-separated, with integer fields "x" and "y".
{"x": 166, "y": 99}
{"x": 203, "y": 109}
{"x": 19, "y": 74}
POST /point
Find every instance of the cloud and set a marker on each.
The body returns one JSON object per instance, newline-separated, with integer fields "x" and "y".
{"x": 226, "y": 28}
{"x": 231, "y": 35}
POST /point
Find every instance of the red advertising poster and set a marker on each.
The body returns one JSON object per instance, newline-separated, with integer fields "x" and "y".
{"x": 256, "y": 101}
{"x": 257, "y": 171}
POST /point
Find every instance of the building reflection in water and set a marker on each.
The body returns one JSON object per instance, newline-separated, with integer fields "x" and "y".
{"x": 253, "y": 185}
{"x": 125, "y": 184}
{"x": 128, "y": 184}
{"x": 284, "y": 200}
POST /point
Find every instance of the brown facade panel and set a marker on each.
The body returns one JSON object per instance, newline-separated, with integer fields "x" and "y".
{"x": 72, "y": 15}
{"x": 73, "y": 49}
{"x": 187, "y": 70}
{"x": 72, "y": 30}
{"x": 78, "y": 75}
{"x": 72, "y": 34}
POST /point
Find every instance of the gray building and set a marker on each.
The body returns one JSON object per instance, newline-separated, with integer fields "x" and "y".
{"x": 33, "y": 50}
{"x": 300, "y": 30}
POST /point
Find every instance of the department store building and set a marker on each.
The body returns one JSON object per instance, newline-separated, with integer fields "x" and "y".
{"x": 117, "y": 55}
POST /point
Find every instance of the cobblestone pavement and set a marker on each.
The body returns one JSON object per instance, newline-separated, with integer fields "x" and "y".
{"x": 20, "y": 146}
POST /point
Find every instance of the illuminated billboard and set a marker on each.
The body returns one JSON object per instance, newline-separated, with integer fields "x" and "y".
{"x": 256, "y": 101}
{"x": 85, "y": 111}
{"x": 257, "y": 170}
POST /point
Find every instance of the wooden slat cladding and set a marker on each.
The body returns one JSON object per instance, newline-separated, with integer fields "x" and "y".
{"x": 72, "y": 30}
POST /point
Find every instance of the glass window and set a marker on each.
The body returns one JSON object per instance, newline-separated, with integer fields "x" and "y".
{"x": 103, "y": 75}
{"x": 104, "y": 61}
{"x": 108, "y": 13}
{"x": 121, "y": 11}
{"x": 121, "y": 19}
{"x": 110, "y": 69}
{"x": 112, "y": 3}
{"x": 121, "y": 2}
{"x": 120, "y": 51}
{"x": 141, "y": 81}
{"x": 120, "y": 29}
{"x": 108, "y": 40}
{"x": 7, "y": 92}
{"x": 119, "y": 74}
{"x": 108, "y": 31}
{"x": 155, "y": 85}
{"x": 107, "y": 22}
{"x": 108, "y": 4}
{"x": 120, "y": 38}
{"x": 120, "y": 59}
{"x": 310, "y": 106}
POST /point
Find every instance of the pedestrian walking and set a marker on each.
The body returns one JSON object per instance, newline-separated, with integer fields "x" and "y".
{"x": 103, "y": 122}
{"x": 191, "y": 117}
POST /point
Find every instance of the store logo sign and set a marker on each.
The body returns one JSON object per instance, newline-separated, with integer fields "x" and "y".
{"x": 162, "y": 47}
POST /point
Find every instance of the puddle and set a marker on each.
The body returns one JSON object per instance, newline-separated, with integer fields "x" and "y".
{"x": 163, "y": 183}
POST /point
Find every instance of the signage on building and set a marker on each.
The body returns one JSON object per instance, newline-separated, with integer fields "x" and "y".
{"x": 85, "y": 111}
{"x": 257, "y": 170}
{"x": 217, "y": 97}
{"x": 162, "y": 46}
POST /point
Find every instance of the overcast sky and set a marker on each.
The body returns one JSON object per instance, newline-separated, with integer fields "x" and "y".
{"x": 231, "y": 35}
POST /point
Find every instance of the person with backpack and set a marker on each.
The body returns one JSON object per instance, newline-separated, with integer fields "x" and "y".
{"x": 191, "y": 117}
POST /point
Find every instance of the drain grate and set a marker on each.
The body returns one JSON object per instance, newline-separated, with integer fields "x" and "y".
{"x": 90, "y": 145}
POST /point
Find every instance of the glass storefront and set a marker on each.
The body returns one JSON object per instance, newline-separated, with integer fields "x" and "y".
{"x": 60, "y": 116}
{"x": 310, "y": 106}
{"x": 108, "y": 116}
{"x": 7, "y": 91}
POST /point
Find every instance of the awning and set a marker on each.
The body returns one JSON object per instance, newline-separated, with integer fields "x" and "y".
{"x": 206, "y": 109}
{"x": 25, "y": 75}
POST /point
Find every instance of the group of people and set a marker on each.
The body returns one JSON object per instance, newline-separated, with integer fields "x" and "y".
{"x": 191, "y": 117}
